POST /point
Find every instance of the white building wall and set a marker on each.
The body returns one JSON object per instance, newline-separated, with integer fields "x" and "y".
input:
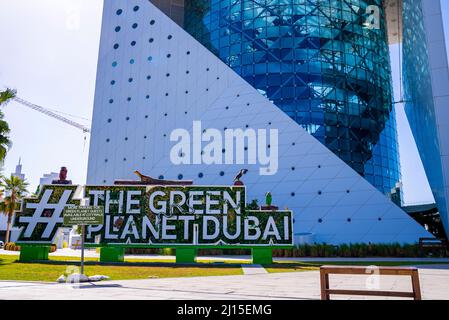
{"x": 171, "y": 81}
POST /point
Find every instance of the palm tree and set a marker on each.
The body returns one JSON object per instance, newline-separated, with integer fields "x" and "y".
{"x": 5, "y": 97}
{"x": 15, "y": 189}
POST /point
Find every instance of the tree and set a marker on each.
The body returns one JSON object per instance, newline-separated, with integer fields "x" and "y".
{"x": 5, "y": 97}
{"x": 14, "y": 189}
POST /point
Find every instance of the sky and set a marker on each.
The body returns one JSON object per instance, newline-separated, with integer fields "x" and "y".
{"x": 51, "y": 58}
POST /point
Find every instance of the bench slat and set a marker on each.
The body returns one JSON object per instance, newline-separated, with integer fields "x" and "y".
{"x": 366, "y": 270}
{"x": 371, "y": 293}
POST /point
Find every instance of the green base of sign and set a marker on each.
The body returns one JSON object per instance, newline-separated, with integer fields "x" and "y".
{"x": 185, "y": 255}
{"x": 112, "y": 254}
{"x": 262, "y": 255}
{"x": 30, "y": 252}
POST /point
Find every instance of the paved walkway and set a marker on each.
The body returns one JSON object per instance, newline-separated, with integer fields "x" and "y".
{"x": 292, "y": 285}
{"x": 251, "y": 269}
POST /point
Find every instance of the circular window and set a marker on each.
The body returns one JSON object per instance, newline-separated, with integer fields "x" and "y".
{"x": 133, "y": 43}
{"x": 150, "y": 58}
{"x": 169, "y": 37}
{"x": 111, "y": 101}
{"x": 132, "y": 61}
{"x": 161, "y": 177}
{"x": 119, "y": 12}
{"x": 152, "y": 22}
{"x": 114, "y": 64}
{"x": 200, "y": 175}
{"x": 109, "y": 120}
{"x": 151, "y": 40}
{"x": 136, "y": 8}
{"x": 116, "y": 46}
{"x": 117, "y": 29}
{"x": 222, "y": 173}
{"x": 180, "y": 177}
{"x": 112, "y": 82}
{"x": 134, "y": 25}
{"x": 130, "y": 80}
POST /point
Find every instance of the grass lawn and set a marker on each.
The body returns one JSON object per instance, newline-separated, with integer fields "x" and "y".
{"x": 135, "y": 268}
{"x": 11, "y": 269}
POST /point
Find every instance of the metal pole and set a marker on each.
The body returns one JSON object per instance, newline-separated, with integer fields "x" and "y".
{"x": 82, "y": 248}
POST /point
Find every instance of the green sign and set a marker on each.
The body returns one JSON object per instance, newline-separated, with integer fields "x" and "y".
{"x": 185, "y": 215}
{"x": 154, "y": 215}
{"x": 92, "y": 215}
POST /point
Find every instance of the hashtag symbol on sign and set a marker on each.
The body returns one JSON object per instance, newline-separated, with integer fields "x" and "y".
{"x": 43, "y": 204}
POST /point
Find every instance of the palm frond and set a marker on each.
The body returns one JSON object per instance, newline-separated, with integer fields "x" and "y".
{"x": 7, "y": 95}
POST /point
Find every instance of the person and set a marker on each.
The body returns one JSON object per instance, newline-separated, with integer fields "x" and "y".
{"x": 62, "y": 177}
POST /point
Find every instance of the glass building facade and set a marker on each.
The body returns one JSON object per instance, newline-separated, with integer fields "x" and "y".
{"x": 320, "y": 63}
{"x": 420, "y": 103}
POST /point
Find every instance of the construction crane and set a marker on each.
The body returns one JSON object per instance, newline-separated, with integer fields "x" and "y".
{"x": 51, "y": 114}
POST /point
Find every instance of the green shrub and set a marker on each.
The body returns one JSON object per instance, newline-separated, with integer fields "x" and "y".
{"x": 168, "y": 252}
{"x": 10, "y": 246}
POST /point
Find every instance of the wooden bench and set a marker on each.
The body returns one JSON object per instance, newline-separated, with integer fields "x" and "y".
{"x": 326, "y": 291}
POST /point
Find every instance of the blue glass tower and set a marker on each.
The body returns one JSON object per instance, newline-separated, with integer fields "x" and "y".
{"x": 319, "y": 63}
{"x": 425, "y": 104}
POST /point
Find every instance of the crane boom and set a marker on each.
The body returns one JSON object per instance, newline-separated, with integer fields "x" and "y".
{"x": 51, "y": 114}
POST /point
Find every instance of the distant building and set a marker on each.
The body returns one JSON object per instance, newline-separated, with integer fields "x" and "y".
{"x": 18, "y": 173}
{"x": 48, "y": 178}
